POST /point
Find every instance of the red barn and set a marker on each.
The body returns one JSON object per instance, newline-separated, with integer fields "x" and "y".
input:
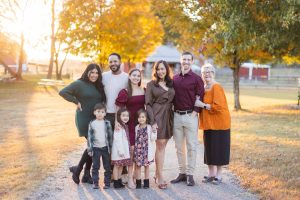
{"x": 253, "y": 71}
{"x": 11, "y": 63}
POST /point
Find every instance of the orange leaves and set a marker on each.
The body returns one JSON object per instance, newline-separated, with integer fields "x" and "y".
{"x": 127, "y": 27}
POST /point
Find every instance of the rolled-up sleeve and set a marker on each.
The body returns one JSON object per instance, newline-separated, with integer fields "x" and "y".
{"x": 199, "y": 88}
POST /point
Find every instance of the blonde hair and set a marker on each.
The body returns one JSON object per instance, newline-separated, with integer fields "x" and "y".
{"x": 208, "y": 67}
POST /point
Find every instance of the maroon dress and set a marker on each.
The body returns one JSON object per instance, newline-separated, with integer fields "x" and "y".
{"x": 133, "y": 104}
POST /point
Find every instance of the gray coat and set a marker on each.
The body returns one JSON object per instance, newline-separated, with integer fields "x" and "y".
{"x": 108, "y": 136}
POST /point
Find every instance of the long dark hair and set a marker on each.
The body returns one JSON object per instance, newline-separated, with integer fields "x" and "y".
{"x": 120, "y": 111}
{"x": 129, "y": 87}
{"x": 168, "y": 79}
{"x": 98, "y": 84}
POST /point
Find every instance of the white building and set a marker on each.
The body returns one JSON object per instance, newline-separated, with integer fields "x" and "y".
{"x": 171, "y": 55}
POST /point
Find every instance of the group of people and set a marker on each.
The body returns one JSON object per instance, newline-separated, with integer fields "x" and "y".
{"x": 129, "y": 126}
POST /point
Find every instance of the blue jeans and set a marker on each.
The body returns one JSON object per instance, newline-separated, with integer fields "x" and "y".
{"x": 97, "y": 154}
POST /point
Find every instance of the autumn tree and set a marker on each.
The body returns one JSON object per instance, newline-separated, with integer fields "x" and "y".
{"x": 278, "y": 24}
{"x": 9, "y": 49}
{"x": 52, "y": 39}
{"x": 59, "y": 43}
{"x": 62, "y": 46}
{"x": 13, "y": 11}
{"x": 98, "y": 28}
{"x": 232, "y": 32}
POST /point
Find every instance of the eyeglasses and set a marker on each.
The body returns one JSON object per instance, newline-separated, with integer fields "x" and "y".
{"x": 207, "y": 72}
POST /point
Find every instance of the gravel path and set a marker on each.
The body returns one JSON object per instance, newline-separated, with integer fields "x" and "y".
{"x": 60, "y": 185}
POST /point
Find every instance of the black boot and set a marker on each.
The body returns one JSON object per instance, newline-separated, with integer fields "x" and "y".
{"x": 120, "y": 182}
{"x": 75, "y": 173}
{"x": 117, "y": 184}
{"x": 96, "y": 186}
{"x": 85, "y": 159}
{"x": 87, "y": 178}
{"x": 138, "y": 183}
{"x": 146, "y": 183}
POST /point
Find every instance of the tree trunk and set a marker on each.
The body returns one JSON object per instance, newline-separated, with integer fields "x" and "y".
{"x": 59, "y": 75}
{"x": 236, "y": 84}
{"x": 21, "y": 58}
{"x": 56, "y": 65}
{"x": 49, "y": 76}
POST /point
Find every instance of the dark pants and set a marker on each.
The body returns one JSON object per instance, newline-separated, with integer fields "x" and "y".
{"x": 111, "y": 118}
{"x": 97, "y": 154}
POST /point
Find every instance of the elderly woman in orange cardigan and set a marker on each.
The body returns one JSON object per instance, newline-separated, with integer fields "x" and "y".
{"x": 215, "y": 122}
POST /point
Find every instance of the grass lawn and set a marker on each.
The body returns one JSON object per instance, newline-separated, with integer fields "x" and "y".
{"x": 266, "y": 142}
{"x": 38, "y": 131}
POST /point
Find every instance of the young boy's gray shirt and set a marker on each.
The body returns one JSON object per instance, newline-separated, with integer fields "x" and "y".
{"x": 108, "y": 136}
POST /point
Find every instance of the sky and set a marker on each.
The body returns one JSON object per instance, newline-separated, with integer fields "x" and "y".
{"x": 36, "y": 25}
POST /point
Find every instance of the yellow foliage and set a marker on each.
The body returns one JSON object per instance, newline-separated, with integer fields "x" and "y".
{"x": 98, "y": 28}
{"x": 134, "y": 31}
{"x": 291, "y": 59}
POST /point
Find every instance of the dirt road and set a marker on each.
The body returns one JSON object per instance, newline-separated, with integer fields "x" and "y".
{"x": 60, "y": 185}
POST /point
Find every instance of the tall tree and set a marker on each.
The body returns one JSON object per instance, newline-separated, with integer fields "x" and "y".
{"x": 52, "y": 50}
{"x": 63, "y": 45}
{"x": 13, "y": 11}
{"x": 59, "y": 41}
{"x": 9, "y": 49}
{"x": 101, "y": 27}
{"x": 233, "y": 32}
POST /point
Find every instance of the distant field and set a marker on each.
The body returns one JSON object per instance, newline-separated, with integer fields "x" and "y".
{"x": 37, "y": 132}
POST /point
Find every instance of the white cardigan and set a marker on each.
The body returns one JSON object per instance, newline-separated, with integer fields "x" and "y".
{"x": 152, "y": 136}
{"x": 120, "y": 145}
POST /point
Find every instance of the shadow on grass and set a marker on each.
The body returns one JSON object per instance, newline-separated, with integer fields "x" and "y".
{"x": 272, "y": 173}
{"x": 20, "y": 135}
{"x": 14, "y": 134}
{"x": 49, "y": 89}
{"x": 282, "y": 109}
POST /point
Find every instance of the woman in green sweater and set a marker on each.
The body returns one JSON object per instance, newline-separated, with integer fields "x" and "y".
{"x": 85, "y": 93}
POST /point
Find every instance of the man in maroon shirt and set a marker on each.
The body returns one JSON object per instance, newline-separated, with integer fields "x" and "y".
{"x": 187, "y": 86}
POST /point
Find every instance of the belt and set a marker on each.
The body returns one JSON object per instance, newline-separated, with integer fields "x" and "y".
{"x": 183, "y": 112}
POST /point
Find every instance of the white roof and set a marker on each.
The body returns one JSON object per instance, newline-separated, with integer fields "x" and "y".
{"x": 164, "y": 52}
{"x": 254, "y": 65}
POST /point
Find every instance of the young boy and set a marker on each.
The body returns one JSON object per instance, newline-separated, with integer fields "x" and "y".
{"x": 99, "y": 145}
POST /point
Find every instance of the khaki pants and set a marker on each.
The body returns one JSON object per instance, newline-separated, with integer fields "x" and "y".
{"x": 186, "y": 138}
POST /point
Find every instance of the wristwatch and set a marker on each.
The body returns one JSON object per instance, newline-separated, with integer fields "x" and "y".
{"x": 204, "y": 107}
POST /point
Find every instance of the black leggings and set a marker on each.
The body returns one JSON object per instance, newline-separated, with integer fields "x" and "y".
{"x": 85, "y": 159}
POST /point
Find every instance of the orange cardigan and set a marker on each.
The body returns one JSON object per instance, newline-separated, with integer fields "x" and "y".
{"x": 218, "y": 117}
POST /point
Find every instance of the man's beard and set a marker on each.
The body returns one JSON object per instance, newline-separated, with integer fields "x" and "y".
{"x": 115, "y": 68}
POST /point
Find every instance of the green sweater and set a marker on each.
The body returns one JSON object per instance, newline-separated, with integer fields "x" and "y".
{"x": 87, "y": 94}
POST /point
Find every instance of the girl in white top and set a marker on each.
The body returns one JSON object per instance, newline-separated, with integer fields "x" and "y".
{"x": 120, "y": 154}
{"x": 144, "y": 150}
